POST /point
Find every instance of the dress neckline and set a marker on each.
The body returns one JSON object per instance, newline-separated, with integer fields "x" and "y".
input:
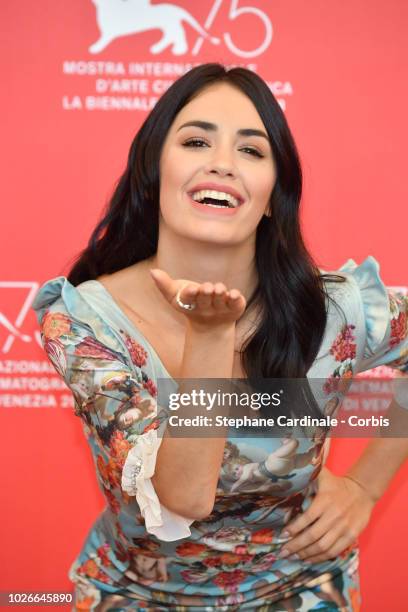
{"x": 132, "y": 325}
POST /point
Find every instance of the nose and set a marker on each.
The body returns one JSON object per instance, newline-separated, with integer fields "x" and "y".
{"x": 221, "y": 171}
{"x": 221, "y": 163}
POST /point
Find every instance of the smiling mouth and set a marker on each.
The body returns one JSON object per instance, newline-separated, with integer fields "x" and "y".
{"x": 215, "y": 199}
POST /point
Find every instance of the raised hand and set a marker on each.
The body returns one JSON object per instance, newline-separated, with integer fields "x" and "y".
{"x": 215, "y": 305}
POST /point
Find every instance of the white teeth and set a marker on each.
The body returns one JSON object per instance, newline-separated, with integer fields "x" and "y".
{"x": 215, "y": 195}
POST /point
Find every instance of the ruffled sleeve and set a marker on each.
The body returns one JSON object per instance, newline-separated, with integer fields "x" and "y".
{"x": 103, "y": 367}
{"x": 386, "y": 320}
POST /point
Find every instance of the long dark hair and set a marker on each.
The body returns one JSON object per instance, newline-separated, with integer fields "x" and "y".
{"x": 291, "y": 292}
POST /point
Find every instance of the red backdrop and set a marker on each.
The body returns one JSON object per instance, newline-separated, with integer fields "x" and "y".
{"x": 70, "y": 109}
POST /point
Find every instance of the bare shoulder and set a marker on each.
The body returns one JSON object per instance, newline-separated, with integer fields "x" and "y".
{"x": 123, "y": 283}
{"x": 128, "y": 287}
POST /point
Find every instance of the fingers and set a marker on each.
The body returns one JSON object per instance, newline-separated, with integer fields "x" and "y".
{"x": 216, "y": 296}
{"x": 169, "y": 287}
{"x": 220, "y": 295}
{"x": 236, "y": 301}
{"x": 331, "y": 548}
{"x": 187, "y": 294}
{"x": 305, "y": 519}
{"x": 314, "y": 540}
{"x": 206, "y": 296}
{"x": 331, "y": 544}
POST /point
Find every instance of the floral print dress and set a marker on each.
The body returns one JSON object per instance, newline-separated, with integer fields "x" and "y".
{"x": 139, "y": 555}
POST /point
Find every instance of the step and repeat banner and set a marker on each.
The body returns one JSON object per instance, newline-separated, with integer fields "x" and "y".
{"x": 79, "y": 78}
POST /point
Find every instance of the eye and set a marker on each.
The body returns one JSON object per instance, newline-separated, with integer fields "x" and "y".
{"x": 194, "y": 142}
{"x": 252, "y": 151}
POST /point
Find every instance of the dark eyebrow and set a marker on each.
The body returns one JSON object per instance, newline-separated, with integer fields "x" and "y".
{"x": 211, "y": 127}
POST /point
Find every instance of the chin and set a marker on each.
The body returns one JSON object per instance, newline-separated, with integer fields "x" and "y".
{"x": 204, "y": 234}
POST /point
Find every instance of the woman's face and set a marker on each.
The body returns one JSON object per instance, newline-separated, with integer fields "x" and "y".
{"x": 224, "y": 158}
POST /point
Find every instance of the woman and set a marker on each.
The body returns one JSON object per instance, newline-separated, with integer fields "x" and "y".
{"x": 198, "y": 270}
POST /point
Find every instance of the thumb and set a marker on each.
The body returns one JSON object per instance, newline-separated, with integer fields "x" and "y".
{"x": 164, "y": 282}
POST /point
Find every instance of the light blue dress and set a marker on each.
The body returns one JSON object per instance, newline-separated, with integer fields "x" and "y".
{"x": 139, "y": 555}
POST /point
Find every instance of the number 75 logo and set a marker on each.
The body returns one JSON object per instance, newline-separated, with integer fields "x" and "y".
{"x": 234, "y": 13}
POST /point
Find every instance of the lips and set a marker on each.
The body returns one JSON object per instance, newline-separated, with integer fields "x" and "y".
{"x": 218, "y": 187}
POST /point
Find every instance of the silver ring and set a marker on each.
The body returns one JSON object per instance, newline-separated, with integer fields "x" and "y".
{"x": 182, "y": 304}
